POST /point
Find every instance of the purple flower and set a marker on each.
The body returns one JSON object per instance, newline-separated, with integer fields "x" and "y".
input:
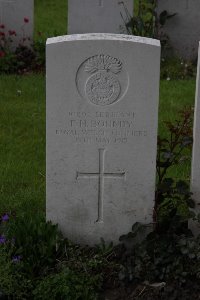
{"x": 16, "y": 258}
{"x": 2, "y": 239}
{"x": 5, "y": 218}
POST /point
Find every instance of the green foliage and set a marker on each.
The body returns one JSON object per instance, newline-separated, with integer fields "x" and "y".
{"x": 173, "y": 199}
{"x": 23, "y": 60}
{"x": 67, "y": 285}
{"x": 175, "y": 203}
{"x": 20, "y": 60}
{"x": 143, "y": 23}
{"x": 12, "y": 281}
{"x": 160, "y": 257}
{"x": 39, "y": 49}
{"x": 103, "y": 248}
{"x": 176, "y": 68}
{"x": 37, "y": 263}
{"x": 37, "y": 243}
{"x": 170, "y": 252}
{"x": 7, "y": 62}
{"x": 50, "y": 16}
{"x": 146, "y": 22}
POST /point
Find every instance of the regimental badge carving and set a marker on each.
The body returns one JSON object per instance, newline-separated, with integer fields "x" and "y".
{"x": 103, "y": 87}
{"x": 99, "y": 80}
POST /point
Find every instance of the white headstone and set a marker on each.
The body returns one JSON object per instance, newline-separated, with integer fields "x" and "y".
{"x": 16, "y": 16}
{"x": 96, "y": 16}
{"x": 195, "y": 178}
{"x": 102, "y": 107}
{"x": 184, "y": 28}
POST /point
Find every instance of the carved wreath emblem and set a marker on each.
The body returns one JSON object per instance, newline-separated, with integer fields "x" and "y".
{"x": 103, "y": 86}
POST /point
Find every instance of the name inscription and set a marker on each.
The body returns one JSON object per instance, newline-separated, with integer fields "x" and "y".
{"x": 101, "y": 127}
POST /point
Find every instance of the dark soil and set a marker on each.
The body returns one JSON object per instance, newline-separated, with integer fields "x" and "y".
{"x": 173, "y": 291}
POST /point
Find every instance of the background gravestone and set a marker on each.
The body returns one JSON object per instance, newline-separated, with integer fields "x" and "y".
{"x": 102, "y": 109}
{"x": 195, "y": 178}
{"x": 17, "y": 15}
{"x": 184, "y": 28}
{"x": 90, "y": 16}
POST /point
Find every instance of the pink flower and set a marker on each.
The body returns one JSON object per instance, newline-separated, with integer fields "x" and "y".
{"x": 12, "y": 32}
{"x": 2, "y": 26}
{"x": 2, "y": 33}
{"x": 26, "y": 20}
{"x": 2, "y": 54}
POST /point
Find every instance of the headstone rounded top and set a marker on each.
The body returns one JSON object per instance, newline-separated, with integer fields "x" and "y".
{"x": 103, "y": 36}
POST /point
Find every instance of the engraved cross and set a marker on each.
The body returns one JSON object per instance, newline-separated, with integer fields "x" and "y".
{"x": 101, "y": 175}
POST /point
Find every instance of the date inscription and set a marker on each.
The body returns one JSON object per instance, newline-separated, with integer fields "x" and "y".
{"x": 101, "y": 127}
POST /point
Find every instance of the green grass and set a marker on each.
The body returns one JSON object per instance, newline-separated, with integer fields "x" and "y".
{"x": 174, "y": 96}
{"x": 22, "y": 133}
{"x": 50, "y": 17}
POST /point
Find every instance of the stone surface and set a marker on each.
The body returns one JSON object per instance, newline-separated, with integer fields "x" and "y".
{"x": 96, "y": 16}
{"x": 102, "y": 107}
{"x": 184, "y": 28}
{"x": 12, "y": 14}
{"x": 195, "y": 178}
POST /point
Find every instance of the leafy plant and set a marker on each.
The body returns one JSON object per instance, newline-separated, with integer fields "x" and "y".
{"x": 34, "y": 243}
{"x": 39, "y": 49}
{"x": 160, "y": 257}
{"x": 147, "y": 22}
{"x": 176, "y": 68}
{"x": 24, "y": 58}
{"x": 173, "y": 199}
{"x": 67, "y": 285}
{"x": 143, "y": 23}
{"x": 39, "y": 262}
{"x": 13, "y": 282}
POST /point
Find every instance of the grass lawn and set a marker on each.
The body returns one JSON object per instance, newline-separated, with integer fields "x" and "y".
{"x": 22, "y": 126}
{"x": 50, "y": 17}
{"x": 175, "y": 96}
{"x": 22, "y": 133}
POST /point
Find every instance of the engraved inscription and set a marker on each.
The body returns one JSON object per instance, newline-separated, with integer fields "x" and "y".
{"x": 101, "y": 175}
{"x": 118, "y": 127}
{"x": 103, "y": 87}
{"x": 102, "y": 80}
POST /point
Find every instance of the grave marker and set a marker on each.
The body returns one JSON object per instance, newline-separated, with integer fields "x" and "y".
{"x": 183, "y": 29}
{"x": 102, "y": 108}
{"x": 96, "y": 16}
{"x": 195, "y": 178}
{"x": 17, "y": 15}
